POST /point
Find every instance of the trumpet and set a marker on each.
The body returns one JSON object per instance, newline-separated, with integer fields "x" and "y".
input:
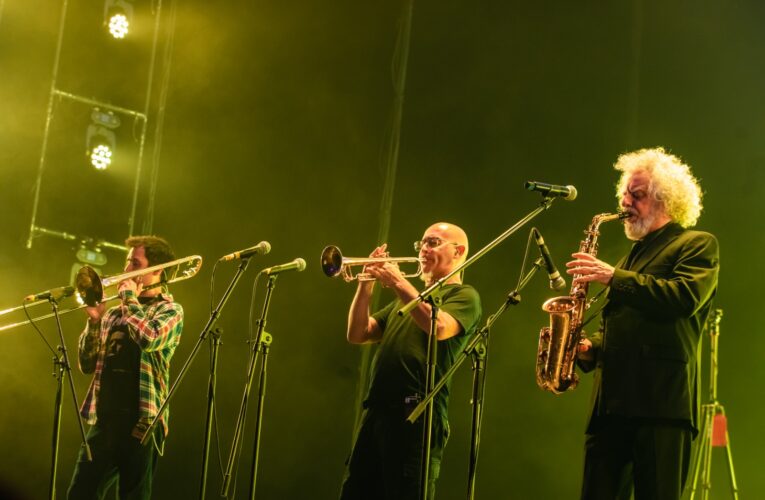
{"x": 89, "y": 287}
{"x": 334, "y": 264}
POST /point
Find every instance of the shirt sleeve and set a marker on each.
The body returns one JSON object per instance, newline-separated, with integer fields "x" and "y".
{"x": 381, "y": 316}
{"x": 464, "y": 305}
{"x": 88, "y": 346}
{"x": 681, "y": 290}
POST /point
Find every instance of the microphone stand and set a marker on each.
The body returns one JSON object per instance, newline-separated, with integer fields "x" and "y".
{"x": 478, "y": 347}
{"x": 62, "y": 369}
{"x": 261, "y": 344}
{"x": 214, "y": 345}
{"x": 187, "y": 364}
{"x": 544, "y": 205}
{"x": 430, "y": 380}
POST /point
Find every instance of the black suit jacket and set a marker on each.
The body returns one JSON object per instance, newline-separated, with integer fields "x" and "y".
{"x": 647, "y": 350}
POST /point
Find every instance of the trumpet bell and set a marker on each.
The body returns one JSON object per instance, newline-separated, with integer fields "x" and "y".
{"x": 331, "y": 261}
{"x": 334, "y": 264}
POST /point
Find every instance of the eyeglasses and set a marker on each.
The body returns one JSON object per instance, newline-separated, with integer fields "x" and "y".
{"x": 431, "y": 242}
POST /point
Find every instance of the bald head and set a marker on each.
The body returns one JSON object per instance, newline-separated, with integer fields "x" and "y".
{"x": 452, "y": 251}
{"x": 450, "y": 232}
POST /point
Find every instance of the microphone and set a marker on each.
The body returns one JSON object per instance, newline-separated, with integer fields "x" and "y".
{"x": 296, "y": 265}
{"x": 566, "y": 192}
{"x": 556, "y": 280}
{"x": 55, "y": 293}
{"x": 261, "y": 248}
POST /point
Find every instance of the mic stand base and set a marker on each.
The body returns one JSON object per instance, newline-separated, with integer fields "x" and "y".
{"x": 712, "y": 415}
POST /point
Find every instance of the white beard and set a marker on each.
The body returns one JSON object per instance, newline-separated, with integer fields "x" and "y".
{"x": 426, "y": 277}
{"x": 640, "y": 228}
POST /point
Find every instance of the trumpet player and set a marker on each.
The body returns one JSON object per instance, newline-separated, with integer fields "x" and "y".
{"x": 385, "y": 460}
{"x": 645, "y": 398}
{"x": 128, "y": 349}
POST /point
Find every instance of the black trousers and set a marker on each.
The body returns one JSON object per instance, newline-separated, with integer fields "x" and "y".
{"x": 651, "y": 457}
{"x": 118, "y": 457}
{"x": 386, "y": 456}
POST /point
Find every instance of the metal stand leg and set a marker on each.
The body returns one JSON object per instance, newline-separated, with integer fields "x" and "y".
{"x": 714, "y": 427}
{"x": 713, "y": 416}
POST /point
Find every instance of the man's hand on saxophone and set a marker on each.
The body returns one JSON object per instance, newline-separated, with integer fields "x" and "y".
{"x": 584, "y": 351}
{"x": 586, "y": 268}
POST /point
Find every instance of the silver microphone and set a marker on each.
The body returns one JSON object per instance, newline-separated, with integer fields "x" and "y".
{"x": 261, "y": 248}
{"x": 296, "y": 265}
{"x": 566, "y": 192}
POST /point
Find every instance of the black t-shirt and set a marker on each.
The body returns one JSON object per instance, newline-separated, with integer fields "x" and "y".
{"x": 399, "y": 366}
{"x": 119, "y": 392}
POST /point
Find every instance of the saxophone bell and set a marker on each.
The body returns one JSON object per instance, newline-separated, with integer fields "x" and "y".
{"x": 559, "y": 342}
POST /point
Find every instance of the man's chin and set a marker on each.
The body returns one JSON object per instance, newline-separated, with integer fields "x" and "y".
{"x": 634, "y": 232}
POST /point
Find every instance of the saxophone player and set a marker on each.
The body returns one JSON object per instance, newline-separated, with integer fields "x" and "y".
{"x": 645, "y": 400}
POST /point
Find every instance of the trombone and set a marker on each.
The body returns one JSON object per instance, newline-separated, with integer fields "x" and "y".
{"x": 334, "y": 264}
{"x": 90, "y": 288}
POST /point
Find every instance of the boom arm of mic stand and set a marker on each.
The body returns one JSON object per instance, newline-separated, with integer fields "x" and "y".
{"x": 513, "y": 298}
{"x": 546, "y": 202}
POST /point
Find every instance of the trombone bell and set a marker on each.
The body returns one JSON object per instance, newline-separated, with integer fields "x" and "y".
{"x": 90, "y": 290}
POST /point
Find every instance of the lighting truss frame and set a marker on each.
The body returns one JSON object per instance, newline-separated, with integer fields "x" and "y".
{"x": 57, "y": 93}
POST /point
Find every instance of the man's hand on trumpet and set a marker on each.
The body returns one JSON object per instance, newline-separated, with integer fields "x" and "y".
{"x": 387, "y": 273}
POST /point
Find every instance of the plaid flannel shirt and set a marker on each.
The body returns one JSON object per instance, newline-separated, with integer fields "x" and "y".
{"x": 156, "y": 328}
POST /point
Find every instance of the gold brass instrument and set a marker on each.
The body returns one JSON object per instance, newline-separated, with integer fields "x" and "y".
{"x": 558, "y": 342}
{"x": 90, "y": 288}
{"x": 334, "y": 264}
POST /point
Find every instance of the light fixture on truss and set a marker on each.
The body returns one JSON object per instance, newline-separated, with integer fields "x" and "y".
{"x": 118, "y": 16}
{"x": 101, "y": 139}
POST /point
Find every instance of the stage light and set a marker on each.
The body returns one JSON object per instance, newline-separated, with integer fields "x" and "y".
{"x": 101, "y": 157}
{"x": 100, "y": 138}
{"x": 118, "y": 15}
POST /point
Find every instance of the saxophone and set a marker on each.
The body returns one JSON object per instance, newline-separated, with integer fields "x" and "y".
{"x": 558, "y": 342}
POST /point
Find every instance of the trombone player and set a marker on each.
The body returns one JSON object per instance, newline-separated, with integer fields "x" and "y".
{"x": 128, "y": 349}
{"x": 385, "y": 460}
